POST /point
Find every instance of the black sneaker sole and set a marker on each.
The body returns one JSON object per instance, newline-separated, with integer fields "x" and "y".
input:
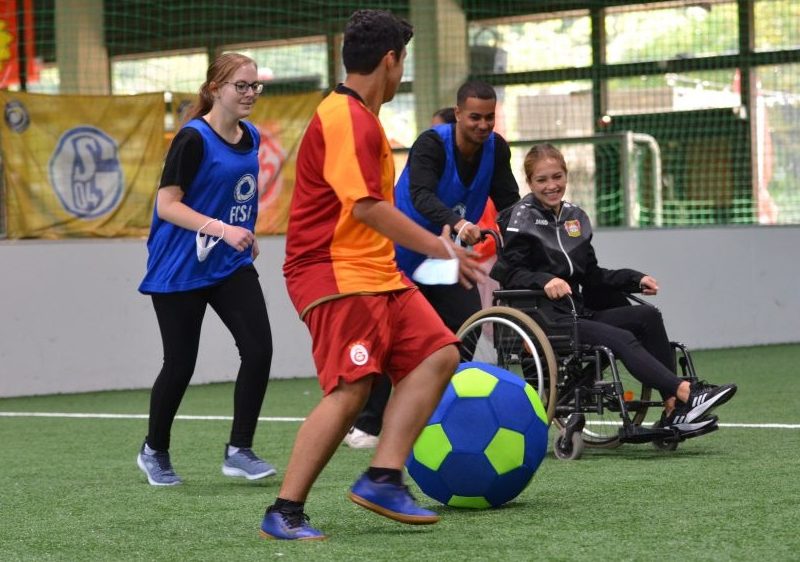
{"x": 711, "y": 428}
{"x": 699, "y": 425}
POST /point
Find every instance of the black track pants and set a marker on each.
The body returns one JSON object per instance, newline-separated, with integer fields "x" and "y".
{"x": 637, "y": 336}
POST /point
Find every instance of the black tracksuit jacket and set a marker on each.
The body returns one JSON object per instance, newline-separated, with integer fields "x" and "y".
{"x": 539, "y": 246}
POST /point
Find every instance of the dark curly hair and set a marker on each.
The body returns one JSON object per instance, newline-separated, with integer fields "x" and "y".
{"x": 369, "y": 35}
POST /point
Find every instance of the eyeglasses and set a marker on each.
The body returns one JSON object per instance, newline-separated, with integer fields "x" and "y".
{"x": 242, "y": 87}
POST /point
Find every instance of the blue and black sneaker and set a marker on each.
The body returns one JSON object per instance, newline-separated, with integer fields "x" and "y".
{"x": 390, "y": 500}
{"x": 289, "y": 525}
{"x": 157, "y": 466}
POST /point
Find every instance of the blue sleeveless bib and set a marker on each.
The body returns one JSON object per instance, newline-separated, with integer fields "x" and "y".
{"x": 226, "y": 188}
{"x": 467, "y": 201}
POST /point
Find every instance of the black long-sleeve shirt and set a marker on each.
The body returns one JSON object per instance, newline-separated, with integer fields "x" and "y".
{"x": 427, "y": 161}
{"x": 540, "y": 246}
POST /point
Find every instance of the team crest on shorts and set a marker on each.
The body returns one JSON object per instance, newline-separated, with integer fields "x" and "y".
{"x": 359, "y": 354}
{"x": 573, "y": 228}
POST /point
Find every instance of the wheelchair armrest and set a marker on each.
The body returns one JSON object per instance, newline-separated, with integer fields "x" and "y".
{"x": 528, "y": 301}
{"x": 631, "y": 297}
{"x": 519, "y": 293}
{"x": 522, "y": 299}
{"x": 530, "y": 298}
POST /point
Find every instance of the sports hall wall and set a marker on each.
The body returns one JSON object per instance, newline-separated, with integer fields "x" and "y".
{"x": 73, "y": 320}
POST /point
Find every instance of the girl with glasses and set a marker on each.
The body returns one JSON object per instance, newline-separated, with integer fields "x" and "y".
{"x": 209, "y": 194}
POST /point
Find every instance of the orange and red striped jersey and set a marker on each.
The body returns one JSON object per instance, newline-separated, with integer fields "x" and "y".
{"x": 344, "y": 157}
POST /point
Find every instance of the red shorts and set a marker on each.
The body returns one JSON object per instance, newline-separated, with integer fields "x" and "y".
{"x": 361, "y": 335}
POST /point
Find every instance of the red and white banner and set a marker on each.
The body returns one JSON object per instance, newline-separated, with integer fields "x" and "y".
{"x": 16, "y": 36}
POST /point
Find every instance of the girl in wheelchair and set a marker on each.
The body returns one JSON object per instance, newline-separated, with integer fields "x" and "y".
{"x": 547, "y": 246}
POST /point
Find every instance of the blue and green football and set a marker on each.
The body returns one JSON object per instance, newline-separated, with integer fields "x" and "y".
{"x": 484, "y": 442}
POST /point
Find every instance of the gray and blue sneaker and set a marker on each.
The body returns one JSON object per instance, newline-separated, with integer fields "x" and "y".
{"x": 157, "y": 466}
{"x": 245, "y": 464}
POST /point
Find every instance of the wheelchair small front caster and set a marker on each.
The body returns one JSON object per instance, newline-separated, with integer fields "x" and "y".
{"x": 568, "y": 449}
{"x": 568, "y": 446}
{"x": 665, "y": 445}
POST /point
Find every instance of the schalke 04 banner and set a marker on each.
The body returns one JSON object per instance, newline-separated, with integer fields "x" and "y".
{"x": 81, "y": 165}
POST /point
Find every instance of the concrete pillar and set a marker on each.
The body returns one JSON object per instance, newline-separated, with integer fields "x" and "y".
{"x": 441, "y": 55}
{"x": 334, "y": 43}
{"x": 81, "y": 52}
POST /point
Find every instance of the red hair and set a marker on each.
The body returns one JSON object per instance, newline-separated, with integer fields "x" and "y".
{"x": 223, "y": 67}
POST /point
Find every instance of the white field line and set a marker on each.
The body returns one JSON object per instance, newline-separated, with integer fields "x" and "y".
{"x": 279, "y": 419}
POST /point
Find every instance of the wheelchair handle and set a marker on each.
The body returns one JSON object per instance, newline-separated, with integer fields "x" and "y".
{"x": 498, "y": 240}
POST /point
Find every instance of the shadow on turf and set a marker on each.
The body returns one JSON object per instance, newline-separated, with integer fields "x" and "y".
{"x": 642, "y": 453}
{"x": 388, "y": 528}
{"x": 206, "y": 485}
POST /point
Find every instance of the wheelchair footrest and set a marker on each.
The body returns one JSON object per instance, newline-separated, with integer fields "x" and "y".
{"x": 639, "y": 434}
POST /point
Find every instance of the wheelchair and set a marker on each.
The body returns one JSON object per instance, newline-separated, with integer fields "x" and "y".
{"x": 591, "y": 401}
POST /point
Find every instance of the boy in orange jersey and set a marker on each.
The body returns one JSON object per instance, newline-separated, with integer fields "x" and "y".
{"x": 364, "y": 316}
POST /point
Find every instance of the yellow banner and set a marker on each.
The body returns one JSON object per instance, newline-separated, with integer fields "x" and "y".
{"x": 81, "y": 165}
{"x": 281, "y": 120}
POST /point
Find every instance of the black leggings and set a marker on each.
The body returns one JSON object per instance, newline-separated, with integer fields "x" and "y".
{"x": 637, "y": 336}
{"x": 239, "y": 302}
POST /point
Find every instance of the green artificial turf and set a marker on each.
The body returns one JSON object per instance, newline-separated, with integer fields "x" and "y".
{"x": 70, "y": 488}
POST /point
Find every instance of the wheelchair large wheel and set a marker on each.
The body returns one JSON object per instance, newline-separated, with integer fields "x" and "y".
{"x": 511, "y": 340}
{"x": 603, "y": 423}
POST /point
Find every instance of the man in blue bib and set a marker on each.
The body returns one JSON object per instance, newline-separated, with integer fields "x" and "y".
{"x": 452, "y": 170}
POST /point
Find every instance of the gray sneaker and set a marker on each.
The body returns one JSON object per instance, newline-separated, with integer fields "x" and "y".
{"x": 245, "y": 464}
{"x": 158, "y": 468}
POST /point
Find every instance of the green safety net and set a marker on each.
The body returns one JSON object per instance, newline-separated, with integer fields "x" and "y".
{"x": 677, "y": 113}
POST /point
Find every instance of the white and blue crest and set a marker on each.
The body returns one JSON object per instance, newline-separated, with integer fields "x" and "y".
{"x": 245, "y": 188}
{"x": 85, "y": 172}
